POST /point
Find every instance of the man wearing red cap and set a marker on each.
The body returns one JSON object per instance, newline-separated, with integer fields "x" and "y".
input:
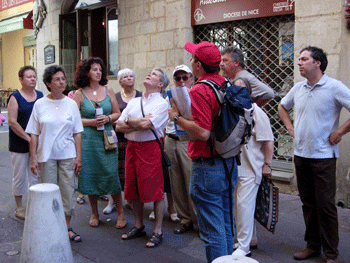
{"x": 209, "y": 187}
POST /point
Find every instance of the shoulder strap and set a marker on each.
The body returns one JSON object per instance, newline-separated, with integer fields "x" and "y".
{"x": 155, "y": 135}
{"x": 218, "y": 90}
{"x": 87, "y": 98}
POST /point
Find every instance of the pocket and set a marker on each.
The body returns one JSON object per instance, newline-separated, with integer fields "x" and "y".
{"x": 214, "y": 181}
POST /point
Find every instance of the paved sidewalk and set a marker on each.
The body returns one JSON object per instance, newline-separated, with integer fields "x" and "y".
{"x": 103, "y": 244}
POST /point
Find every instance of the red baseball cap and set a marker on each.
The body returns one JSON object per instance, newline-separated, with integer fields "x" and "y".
{"x": 207, "y": 52}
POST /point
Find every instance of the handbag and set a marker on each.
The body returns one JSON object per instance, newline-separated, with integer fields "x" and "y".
{"x": 110, "y": 140}
{"x": 266, "y": 209}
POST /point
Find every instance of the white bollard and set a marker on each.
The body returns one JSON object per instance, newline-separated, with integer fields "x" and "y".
{"x": 45, "y": 235}
{"x": 234, "y": 259}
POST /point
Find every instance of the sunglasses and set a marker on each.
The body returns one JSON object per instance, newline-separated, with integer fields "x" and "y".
{"x": 184, "y": 78}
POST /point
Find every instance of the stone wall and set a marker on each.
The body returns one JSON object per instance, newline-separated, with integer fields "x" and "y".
{"x": 48, "y": 35}
{"x": 153, "y": 34}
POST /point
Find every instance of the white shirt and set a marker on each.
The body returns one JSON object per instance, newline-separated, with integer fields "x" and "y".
{"x": 55, "y": 121}
{"x": 157, "y": 106}
{"x": 252, "y": 157}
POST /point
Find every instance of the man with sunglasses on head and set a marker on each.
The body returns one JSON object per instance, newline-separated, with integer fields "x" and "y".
{"x": 180, "y": 169}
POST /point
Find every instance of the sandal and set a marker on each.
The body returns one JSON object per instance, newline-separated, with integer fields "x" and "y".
{"x": 80, "y": 200}
{"x": 134, "y": 233}
{"x": 72, "y": 238}
{"x": 103, "y": 198}
{"x": 155, "y": 239}
{"x": 118, "y": 226}
{"x": 94, "y": 221}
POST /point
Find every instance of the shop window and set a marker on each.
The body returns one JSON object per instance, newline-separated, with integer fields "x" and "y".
{"x": 267, "y": 44}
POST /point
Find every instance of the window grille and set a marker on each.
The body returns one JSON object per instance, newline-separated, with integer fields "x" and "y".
{"x": 267, "y": 44}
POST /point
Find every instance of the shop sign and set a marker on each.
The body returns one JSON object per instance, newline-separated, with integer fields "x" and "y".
{"x": 214, "y": 11}
{"x": 49, "y": 54}
{"x": 6, "y": 4}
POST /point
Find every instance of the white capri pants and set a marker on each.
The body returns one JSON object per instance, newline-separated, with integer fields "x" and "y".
{"x": 21, "y": 173}
{"x": 61, "y": 172}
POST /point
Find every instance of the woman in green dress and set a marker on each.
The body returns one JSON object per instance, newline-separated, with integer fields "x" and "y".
{"x": 99, "y": 175}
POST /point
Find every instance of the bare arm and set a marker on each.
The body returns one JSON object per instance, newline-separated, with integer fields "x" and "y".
{"x": 121, "y": 126}
{"x": 189, "y": 126}
{"x": 12, "y": 118}
{"x": 33, "y": 145}
{"x": 77, "y": 163}
{"x": 140, "y": 124}
{"x": 286, "y": 119}
{"x": 336, "y": 136}
{"x": 267, "y": 149}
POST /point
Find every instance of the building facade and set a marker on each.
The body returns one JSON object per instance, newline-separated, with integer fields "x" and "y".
{"x": 17, "y": 44}
{"x": 142, "y": 34}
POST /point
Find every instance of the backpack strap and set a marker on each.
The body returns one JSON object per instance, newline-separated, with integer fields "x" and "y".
{"x": 218, "y": 90}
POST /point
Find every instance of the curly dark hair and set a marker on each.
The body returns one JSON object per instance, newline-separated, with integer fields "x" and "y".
{"x": 82, "y": 79}
{"x": 49, "y": 72}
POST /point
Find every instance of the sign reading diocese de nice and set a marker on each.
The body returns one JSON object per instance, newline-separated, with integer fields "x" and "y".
{"x": 6, "y": 4}
{"x": 214, "y": 11}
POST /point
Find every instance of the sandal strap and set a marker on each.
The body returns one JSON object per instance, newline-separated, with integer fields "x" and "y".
{"x": 156, "y": 238}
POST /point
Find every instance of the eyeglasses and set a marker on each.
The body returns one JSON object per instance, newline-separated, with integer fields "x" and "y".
{"x": 184, "y": 78}
{"x": 97, "y": 105}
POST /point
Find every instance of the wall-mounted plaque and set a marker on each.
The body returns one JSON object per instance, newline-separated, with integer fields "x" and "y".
{"x": 49, "y": 54}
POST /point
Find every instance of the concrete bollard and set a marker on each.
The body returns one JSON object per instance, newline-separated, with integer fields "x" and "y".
{"x": 234, "y": 259}
{"x": 45, "y": 235}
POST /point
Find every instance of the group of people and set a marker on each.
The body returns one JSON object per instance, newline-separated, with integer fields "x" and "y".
{"x": 70, "y": 143}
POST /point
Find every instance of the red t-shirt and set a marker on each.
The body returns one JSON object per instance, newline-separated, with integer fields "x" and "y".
{"x": 204, "y": 107}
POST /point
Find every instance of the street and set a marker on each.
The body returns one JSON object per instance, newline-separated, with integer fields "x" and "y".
{"x": 103, "y": 244}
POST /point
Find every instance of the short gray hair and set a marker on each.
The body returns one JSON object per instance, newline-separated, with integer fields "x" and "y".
{"x": 236, "y": 54}
{"x": 124, "y": 71}
{"x": 163, "y": 78}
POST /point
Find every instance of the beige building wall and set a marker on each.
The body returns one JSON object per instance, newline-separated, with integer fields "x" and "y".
{"x": 323, "y": 25}
{"x": 153, "y": 34}
{"x": 12, "y": 57}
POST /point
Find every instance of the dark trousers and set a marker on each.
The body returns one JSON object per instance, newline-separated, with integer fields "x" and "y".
{"x": 317, "y": 186}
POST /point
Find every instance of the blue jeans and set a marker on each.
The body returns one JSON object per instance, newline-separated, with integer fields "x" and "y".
{"x": 209, "y": 190}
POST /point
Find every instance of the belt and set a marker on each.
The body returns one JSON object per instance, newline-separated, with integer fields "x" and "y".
{"x": 204, "y": 159}
{"x": 173, "y": 136}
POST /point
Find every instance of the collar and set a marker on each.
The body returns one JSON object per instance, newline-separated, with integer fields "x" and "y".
{"x": 151, "y": 95}
{"x": 321, "y": 82}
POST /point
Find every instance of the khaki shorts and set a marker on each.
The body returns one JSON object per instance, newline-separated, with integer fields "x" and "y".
{"x": 61, "y": 172}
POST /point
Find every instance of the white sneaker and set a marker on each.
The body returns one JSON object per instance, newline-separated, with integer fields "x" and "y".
{"x": 108, "y": 209}
{"x": 151, "y": 216}
{"x": 241, "y": 252}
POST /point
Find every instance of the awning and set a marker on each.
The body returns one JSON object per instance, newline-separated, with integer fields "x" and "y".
{"x": 28, "y": 22}
{"x": 12, "y": 24}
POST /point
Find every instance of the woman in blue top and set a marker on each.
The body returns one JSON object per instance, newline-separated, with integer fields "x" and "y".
{"x": 99, "y": 175}
{"x": 20, "y": 107}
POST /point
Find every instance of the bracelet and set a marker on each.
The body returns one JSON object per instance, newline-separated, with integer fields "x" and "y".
{"x": 269, "y": 166}
{"x": 110, "y": 118}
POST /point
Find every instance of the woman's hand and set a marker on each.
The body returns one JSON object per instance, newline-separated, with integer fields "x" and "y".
{"x": 101, "y": 120}
{"x": 77, "y": 165}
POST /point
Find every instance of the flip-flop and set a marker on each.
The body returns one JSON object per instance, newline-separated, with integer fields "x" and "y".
{"x": 94, "y": 221}
{"x": 72, "y": 238}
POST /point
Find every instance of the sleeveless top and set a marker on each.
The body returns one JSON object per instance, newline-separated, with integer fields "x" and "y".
{"x": 16, "y": 143}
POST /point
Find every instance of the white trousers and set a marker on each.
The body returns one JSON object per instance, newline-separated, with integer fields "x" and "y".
{"x": 21, "y": 173}
{"x": 245, "y": 200}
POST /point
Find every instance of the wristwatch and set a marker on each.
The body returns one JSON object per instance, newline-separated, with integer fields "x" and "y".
{"x": 176, "y": 119}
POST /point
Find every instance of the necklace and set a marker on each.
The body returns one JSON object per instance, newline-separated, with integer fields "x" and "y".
{"x": 94, "y": 92}
{"x": 57, "y": 105}
{"x": 127, "y": 96}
